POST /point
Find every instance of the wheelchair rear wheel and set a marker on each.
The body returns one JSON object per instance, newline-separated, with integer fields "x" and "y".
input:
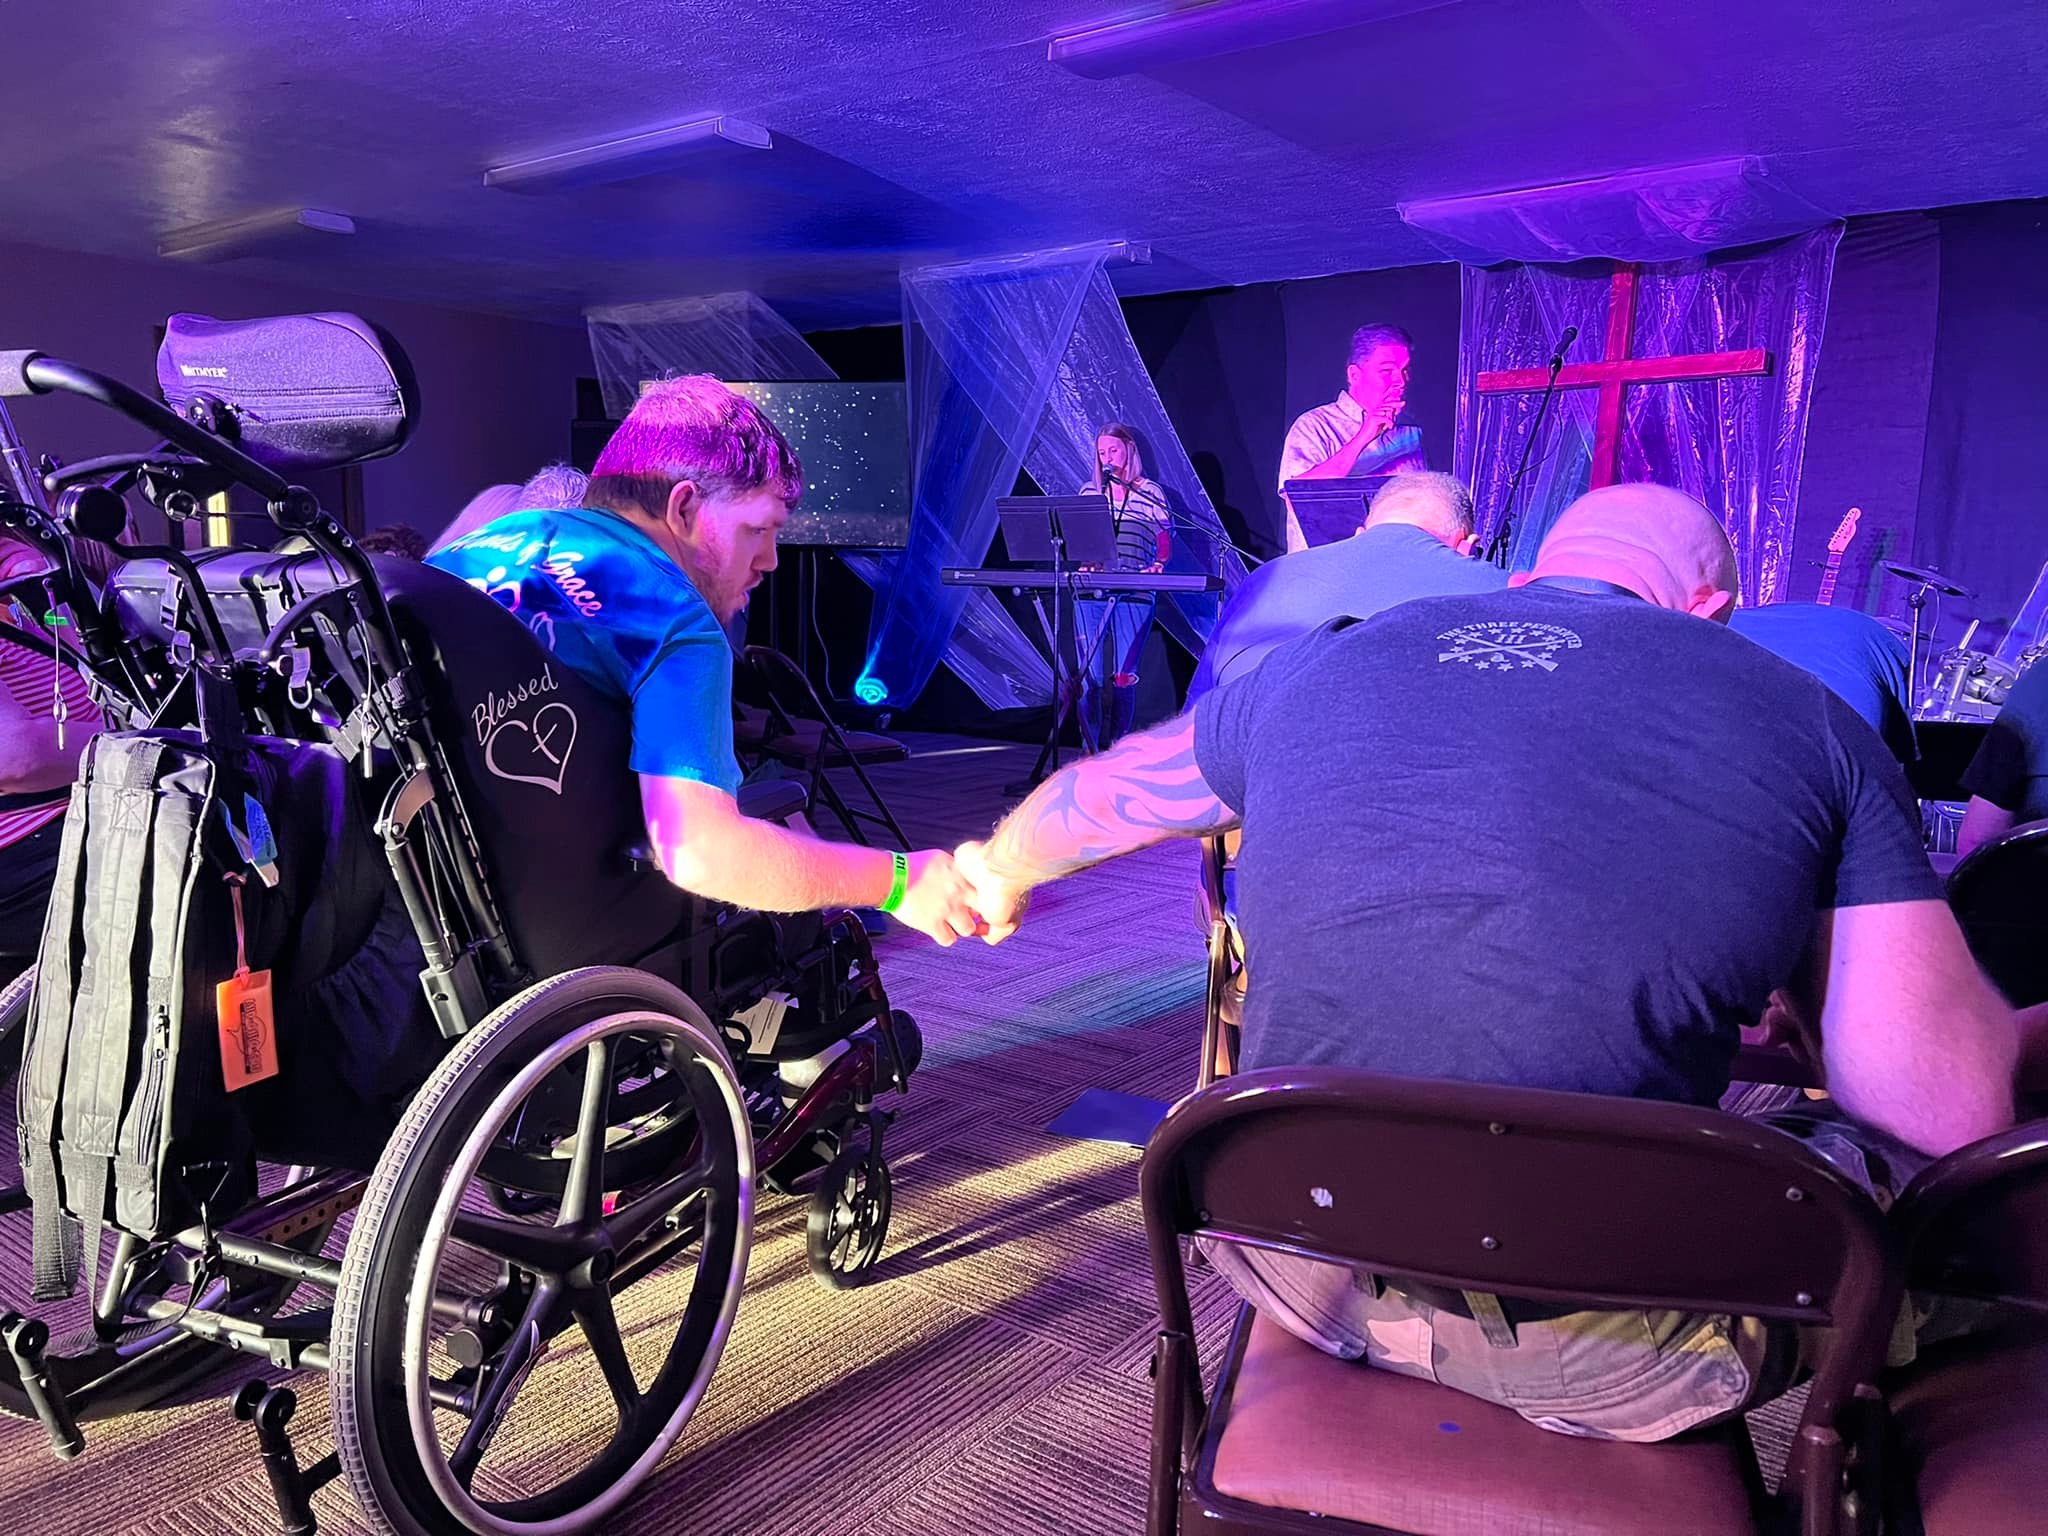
{"x": 608, "y": 1095}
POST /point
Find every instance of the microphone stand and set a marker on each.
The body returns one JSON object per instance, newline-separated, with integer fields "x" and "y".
{"x": 1503, "y": 535}
{"x": 1065, "y": 689}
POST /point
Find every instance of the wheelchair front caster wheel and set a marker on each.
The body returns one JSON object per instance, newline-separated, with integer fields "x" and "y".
{"x": 849, "y": 1217}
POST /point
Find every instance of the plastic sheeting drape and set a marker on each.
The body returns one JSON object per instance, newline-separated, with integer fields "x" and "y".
{"x": 1667, "y": 213}
{"x": 734, "y": 336}
{"x": 1735, "y": 443}
{"x": 1015, "y": 363}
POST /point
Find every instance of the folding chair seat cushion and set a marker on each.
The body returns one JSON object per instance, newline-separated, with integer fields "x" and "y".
{"x": 1972, "y": 1421}
{"x": 1309, "y": 1432}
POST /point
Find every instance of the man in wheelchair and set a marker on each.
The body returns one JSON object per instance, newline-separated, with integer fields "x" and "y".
{"x": 351, "y": 881}
{"x": 1619, "y": 831}
{"x": 633, "y": 591}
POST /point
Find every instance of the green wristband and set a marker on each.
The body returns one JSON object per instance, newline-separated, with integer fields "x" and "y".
{"x": 899, "y": 880}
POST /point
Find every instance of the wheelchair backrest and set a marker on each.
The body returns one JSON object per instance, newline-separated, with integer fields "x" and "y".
{"x": 538, "y": 755}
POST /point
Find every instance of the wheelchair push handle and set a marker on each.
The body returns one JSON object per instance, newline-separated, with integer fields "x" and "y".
{"x": 14, "y": 379}
{"x": 291, "y": 507}
{"x": 37, "y": 373}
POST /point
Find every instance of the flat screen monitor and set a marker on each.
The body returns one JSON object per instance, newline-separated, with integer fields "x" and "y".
{"x": 854, "y": 441}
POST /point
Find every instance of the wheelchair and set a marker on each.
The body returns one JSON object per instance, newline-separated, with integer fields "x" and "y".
{"x": 570, "y": 1112}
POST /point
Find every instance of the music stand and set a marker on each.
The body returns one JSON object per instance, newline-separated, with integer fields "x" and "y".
{"x": 1063, "y": 532}
{"x": 1332, "y": 510}
{"x": 1060, "y": 531}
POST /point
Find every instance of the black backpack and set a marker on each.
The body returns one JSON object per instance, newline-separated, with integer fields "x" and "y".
{"x": 181, "y": 859}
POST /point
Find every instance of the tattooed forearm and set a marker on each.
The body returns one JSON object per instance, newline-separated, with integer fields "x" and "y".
{"x": 1144, "y": 790}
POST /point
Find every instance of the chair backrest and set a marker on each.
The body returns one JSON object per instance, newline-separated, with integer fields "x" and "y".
{"x": 777, "y": 684}
{"x": 1522, "y": 1192}
{"x": 2000, "y": 896}
{"x": 1975, "y": 1223}
{"x": 538, "y": 756}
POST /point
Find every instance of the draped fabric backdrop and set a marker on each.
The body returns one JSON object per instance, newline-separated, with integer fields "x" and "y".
{"x": 1735, "y": 443}
{"x": 1013, "y": 364}
{"x": 739, "y": 336}
{"x": 732, "y": 336}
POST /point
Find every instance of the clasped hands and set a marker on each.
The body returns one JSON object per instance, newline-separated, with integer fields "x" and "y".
{"x": 953, "y": 896}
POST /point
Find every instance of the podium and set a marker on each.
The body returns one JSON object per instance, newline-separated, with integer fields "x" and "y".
{"x": 1332, "y": 510}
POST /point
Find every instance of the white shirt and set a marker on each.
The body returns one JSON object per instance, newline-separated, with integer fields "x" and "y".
{"x": 1319, "y": 433}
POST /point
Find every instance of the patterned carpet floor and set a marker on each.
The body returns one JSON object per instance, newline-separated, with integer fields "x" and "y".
{"x": 992, "y": 1378}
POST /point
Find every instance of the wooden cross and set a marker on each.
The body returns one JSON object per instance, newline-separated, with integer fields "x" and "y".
{"x": 1617, "y": 370}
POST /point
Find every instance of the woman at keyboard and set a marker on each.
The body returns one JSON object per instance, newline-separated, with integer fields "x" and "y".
{"x": 1113, "y": 631}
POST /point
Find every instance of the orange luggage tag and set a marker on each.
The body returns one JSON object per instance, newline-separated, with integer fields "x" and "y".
{"x": 248, "y": 1028}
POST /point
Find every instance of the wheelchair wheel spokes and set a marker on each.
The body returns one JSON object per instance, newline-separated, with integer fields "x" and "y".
{"x": 453, "y": 1417}
{"x": 848, "y": 1222}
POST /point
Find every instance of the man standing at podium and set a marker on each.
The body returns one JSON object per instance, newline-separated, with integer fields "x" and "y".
{"x": 1355, "y": 433}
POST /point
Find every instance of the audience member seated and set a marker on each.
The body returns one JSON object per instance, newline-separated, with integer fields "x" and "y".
{"x": 630, "y": 591}
{"x": 557, "y": 485}
{"x": 38, "y": 761}
{"x": 1570, "y": 836}
{"x": 554, "y": 485}
{"x": 2008, "y": 778}
{"x": 486, "y": 506}
{"x": 1415, "y": 543}
{"x": 1857, "y": 657}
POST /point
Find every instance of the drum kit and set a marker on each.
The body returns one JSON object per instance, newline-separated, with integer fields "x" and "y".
{"x": 1966, "y": 684}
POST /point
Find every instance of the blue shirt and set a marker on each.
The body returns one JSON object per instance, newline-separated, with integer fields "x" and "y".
{"x": 1354, "y": 578}
{"x": 1858, "y": 658}
{"x": 622, "y": 615}
{"x": 1541, "y": 838}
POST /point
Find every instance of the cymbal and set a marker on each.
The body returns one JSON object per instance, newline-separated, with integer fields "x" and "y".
{"x": 1920, "y": 576}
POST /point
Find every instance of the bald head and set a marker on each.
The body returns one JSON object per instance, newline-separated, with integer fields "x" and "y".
{"x": 1659, "y": 543}
{"x": 1437, "y": 504}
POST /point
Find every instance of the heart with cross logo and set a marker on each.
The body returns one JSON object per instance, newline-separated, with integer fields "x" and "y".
{"x": 538, "y": 753}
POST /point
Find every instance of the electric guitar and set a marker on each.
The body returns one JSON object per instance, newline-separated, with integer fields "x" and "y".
{"x": 1838, "y": 546}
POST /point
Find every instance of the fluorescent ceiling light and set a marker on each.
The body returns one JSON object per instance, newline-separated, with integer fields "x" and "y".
{"x": 638, "y": 154}
{"x": 1204, "y": 28}
{"x": 256, "y": 234}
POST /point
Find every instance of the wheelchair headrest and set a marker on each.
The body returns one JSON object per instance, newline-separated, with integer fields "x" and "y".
{"x": 294, "y": 392}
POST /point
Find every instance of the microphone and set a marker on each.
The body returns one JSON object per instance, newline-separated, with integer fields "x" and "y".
{"x": 1564, "y": 345}
{"x": 1109, "y": 477}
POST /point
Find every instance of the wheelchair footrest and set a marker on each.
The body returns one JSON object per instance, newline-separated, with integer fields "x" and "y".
{"x": 270, "y": 1409}
{"x": 27, "y": 1338}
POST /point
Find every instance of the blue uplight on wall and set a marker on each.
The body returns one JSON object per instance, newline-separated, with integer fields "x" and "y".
{"x": 871, "y": 689}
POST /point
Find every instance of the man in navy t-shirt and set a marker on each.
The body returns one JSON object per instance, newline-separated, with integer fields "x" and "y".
{"x": 1414, "y": 544}
{"x": 1569, "y": 836}
{"x": 633, "y": 590}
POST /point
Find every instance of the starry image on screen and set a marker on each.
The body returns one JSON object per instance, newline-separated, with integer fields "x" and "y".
{"x": 854, "y": 440}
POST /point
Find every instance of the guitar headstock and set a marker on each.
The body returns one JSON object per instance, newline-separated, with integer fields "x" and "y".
{"x": 1839, "y": 542}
